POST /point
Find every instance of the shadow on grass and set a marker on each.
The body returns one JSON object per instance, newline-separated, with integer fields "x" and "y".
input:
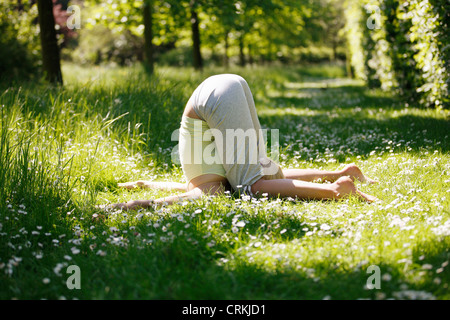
{"x": 187, "y": 268}
{"x": 328, "y": 98}
{"x": 413, "y": 131}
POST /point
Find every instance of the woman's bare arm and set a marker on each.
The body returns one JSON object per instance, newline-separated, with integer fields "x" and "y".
{"x": 135, "y": 204}
{"x": 161, "y": 185}
{"x": 212, "y": 188}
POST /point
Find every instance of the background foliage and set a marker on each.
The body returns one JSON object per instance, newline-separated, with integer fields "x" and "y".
{"x": 19, "y": 40}
{"x": 399, "y": 46}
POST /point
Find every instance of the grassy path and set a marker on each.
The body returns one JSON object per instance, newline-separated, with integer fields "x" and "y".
{"x": 65, "y": 150}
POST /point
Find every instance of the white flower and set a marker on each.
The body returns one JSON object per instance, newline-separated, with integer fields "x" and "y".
{"x": 437, "y": 281}
{"x": 443, "y": 229}
{"x": 240, "y": 224}
{"x": 386, "y": 277}
{"x": 325, "y": 227}
{"x": 58, "y": 267}
{"x": 413, "y": 295}
{"x": 101, "y": 253}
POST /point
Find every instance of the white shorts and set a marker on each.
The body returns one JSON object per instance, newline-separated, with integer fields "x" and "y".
{"x": 226, "y": 104}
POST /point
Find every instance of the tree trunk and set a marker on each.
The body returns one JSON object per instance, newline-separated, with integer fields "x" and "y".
{"x": 241, "y": 51}
{"x": 334, "y": 45}
{"x": 250, "y": 54}
{"x": 148, "y": 36}
{"x": 197, "y": 55}
{"x": 50, "y": 51}
{"x": 348, "y": 64}
{"x": 226, "y": 60}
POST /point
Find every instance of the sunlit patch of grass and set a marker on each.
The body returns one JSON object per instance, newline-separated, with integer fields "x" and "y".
{"x": 65, "y": 149}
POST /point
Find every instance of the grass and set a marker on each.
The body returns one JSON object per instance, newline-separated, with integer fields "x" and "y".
{"x": 64, "y": 150}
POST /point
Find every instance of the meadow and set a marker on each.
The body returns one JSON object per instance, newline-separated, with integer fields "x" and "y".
{"x": 64, "y": 150}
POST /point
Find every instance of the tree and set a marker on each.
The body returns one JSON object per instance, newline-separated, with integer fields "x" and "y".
{"x": 148, "y": 35}
{"x": 50, "y": 52}
{"x": 328, "y": 18}
{"x": 197, "y": 55}
{"x": 237, "y": 20}
{"x": 136, "y": 17}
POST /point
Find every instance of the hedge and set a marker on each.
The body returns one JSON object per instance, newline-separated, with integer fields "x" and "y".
{"x": 402, "y": 46}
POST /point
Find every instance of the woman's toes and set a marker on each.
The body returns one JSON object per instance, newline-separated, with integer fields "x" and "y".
{"x": 355, "y": 173}
{"x": 366, "y": 197}
{"x": 371, "y": 181}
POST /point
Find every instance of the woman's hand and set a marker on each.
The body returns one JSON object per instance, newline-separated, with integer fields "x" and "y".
{"x": 134, "y": 184}
{"x": 130, "y": 205}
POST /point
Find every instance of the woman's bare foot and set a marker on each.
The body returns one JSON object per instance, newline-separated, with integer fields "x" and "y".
{"x": 345, "y": 186}
{"x": 355, "y": 173}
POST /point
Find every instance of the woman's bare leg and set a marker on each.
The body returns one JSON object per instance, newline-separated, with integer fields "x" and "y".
{"x": 160, "y": 185}
{"x": 342, "y": 187}
{"x": 309, "y": 175}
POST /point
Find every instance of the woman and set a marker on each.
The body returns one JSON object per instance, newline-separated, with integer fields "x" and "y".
{"x": 221, "y": 147}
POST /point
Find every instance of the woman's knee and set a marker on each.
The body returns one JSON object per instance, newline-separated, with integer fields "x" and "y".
{"x": 258, "y": 186}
